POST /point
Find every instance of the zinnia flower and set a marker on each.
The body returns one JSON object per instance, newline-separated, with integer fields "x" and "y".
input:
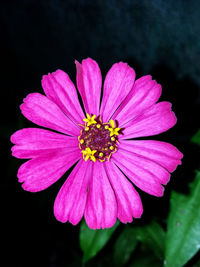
{"x": 101, "y": 142}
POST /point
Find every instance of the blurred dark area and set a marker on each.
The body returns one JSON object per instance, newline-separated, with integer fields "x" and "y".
{"x": 161, "y": 38}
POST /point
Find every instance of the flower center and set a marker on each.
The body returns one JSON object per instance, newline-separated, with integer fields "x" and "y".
{"x": 98, "y": 141}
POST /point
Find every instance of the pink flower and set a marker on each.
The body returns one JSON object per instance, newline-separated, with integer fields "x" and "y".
{"x": 100, "y": 143}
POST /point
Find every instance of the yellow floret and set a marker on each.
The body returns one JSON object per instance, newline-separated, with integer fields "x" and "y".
{"x": 90, "y": 120}
{"x": 113, "y": 130}
{"x": 89, "y": 154}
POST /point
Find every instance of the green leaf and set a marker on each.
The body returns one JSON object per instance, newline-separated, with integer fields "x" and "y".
{"x": 124, "y": 246}
{"x": 183, "y": 227}
{"x": 145, "y": 259}
{"x": 92, "y": 241}
{"x": 196, "y": 138}
{"x": 153, "y": 236}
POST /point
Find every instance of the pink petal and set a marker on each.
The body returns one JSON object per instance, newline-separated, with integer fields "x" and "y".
{"x": 129, "y": 204}
{"x": 158, "y": 173}
{"x": 61, "y": 90}
{"x": 34, "y": 142}
{"x": 71, "y": 199}
{"x": 44, "y": 112}
{"x": 144, "y": 173}
{"x": 164, "y": 154}
{"x": 41, "y": 172}
{"x": 155, "y": 120}
{"x": 101, "y": 206}
{"x": 144, "y": 94}
{"x": 89, "y": 84}
{"x": 118, "y": 83}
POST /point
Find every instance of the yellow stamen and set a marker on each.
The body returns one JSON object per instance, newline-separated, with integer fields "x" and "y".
{"x": 87, "y": 129}
{"x": 90, "y": 120}
{"x": 89, "y": 154}
{"x": 93, "y": 158}
{"x": 101, "y": 154}
{"x": 113, "y": 130}
{"x": 102, "y": 160}
{"x": 111, "y": 147}
{"x": 98, "y": 126}
{"x": 106, "y": 127}
{"x": 112, "y": 138}
{"x": 81, "y": 141}
{"x": 112, "y": 123}
{"x": 86, "y": 158}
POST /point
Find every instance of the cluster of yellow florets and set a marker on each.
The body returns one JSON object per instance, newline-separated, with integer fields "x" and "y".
{"x": 98, "y": 140}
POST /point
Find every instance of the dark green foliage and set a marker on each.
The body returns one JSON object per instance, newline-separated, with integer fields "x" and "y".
{"x": 124, "y": 246}
{"x": 183, "y": 226}
{"x": 149, "y": 245}
{"x": 196, "y": 138}
{"x": 92, "y": 241}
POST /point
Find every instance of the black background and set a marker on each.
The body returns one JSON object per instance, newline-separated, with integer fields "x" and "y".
{"x": 161, "y": 38}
